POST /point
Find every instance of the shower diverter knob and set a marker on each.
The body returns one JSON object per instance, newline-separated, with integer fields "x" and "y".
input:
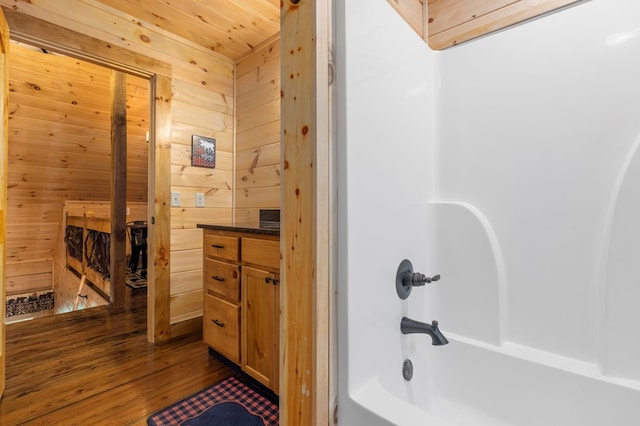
{"x": 406, "y": 279}
{"x": 417, "y": 279}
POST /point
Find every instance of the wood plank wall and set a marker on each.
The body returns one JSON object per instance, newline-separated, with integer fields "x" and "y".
{"x": 200, "y": 109}
{"x": 450, "y": 22}
{"x": 258, "y": 132}
{"x": 59, "y": 150}
{"x": 202, "y": 104}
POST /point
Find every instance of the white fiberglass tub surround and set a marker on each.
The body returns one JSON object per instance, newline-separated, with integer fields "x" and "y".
{"x": 510, "y": 166}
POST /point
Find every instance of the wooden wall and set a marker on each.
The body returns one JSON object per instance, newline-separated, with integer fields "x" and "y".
{"x": 203, "y": 113}
{"x": 258, "y": 131}
{"x": 202, "y": 104}
{"x": 59, "y": 149}
{"x": 450, "y": 22}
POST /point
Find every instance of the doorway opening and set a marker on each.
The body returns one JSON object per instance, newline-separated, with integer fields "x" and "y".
{"x": 60, "y": 190}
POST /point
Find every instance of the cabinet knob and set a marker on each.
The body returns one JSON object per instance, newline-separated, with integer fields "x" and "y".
{"x": 217, "y": 278}
{"x": 218, "y": 323}
{"x": 217, "y": 246}
{"x": 270, "y": 280}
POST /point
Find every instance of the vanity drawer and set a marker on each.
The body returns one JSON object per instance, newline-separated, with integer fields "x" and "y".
{"x": 222, "y": 278}
{"x": 221, "y": 246}
{"x": 221, "y": 323}
{"x": 261, "y": 252}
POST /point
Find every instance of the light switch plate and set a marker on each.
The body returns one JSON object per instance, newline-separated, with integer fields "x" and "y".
{"x": 175, "y": 199}
{"x": 199, "y": 199}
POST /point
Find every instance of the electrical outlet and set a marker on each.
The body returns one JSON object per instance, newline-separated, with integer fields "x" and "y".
{"x": 175, "y": 199}
{"x": 128, "y": 211}
{"x": 199, "y": 199}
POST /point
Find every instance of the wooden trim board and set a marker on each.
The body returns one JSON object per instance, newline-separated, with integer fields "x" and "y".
{"x": 4, "y": 137}
{"x": 304, "y": 245}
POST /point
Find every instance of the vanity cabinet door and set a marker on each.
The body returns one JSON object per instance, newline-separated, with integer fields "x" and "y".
{"x": 261, "y": 253}
{"x": 260, "y": 325}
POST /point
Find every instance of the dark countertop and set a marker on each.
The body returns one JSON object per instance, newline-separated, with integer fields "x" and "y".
{"x": 253, "y": 228}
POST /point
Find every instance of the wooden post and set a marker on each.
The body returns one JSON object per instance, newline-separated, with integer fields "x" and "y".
{"x": 159, "y": 295}
{"x": 305, "y": 194}
{"x": 118, "y": 241}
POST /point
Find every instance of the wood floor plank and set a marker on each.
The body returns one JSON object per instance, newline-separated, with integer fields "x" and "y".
{"x": 176, "y": 383}
{"x": 96, "y": 367}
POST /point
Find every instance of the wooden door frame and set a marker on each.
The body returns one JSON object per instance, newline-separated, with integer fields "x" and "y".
{"x": 305, "y": 373}
{"x": 37, "y": 32}
{"x": 4, "y": 137}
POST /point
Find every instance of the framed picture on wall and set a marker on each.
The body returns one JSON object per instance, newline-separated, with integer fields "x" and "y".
{"x": 203, "y": 151}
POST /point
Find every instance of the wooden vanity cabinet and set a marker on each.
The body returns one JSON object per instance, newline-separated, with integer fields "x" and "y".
{"x": 241, "y": 313}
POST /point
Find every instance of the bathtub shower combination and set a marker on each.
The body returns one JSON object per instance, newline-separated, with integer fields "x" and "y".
{"x": 507, "y": 170}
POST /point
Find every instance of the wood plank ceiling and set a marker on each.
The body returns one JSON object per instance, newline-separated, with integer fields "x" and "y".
{"x": 231, "y": 28}
{"x": 446, "y": 23}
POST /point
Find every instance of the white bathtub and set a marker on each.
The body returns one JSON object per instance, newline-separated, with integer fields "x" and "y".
{"x": 468, "y": 383}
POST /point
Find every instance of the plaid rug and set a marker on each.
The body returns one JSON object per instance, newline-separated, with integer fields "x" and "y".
{"x": 229, "y": 402}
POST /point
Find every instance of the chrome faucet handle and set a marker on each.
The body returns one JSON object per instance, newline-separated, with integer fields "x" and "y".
{"x": 406, "y": 279}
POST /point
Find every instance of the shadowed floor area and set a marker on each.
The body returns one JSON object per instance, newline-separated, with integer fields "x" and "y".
{"x": 96, "y": 367}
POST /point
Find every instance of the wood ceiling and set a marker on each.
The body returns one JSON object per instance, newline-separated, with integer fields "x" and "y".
{"x": 446, "y": 23}
{"x": 229, "y": 27}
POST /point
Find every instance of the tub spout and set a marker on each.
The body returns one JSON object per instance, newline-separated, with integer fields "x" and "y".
{"x": 407, "y": 326}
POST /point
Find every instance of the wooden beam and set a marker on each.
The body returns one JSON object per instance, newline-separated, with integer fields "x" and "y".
{"x": 158, "y": 308}
{"x": 118, "y": 241}
{"x": 304, "y": 340}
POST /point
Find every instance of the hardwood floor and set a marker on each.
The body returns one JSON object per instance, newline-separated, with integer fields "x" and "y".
{"x": 94, "y": 367}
